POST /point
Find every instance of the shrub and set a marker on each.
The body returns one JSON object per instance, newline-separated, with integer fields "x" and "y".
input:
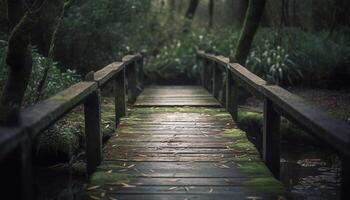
{"x": 273, "y": 64}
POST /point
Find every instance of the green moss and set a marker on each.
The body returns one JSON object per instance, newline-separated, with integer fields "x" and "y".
{"x": 235, "y": 134}
{"x": 269, "y": 184}
{"x": 254, "y": 168}
{"x": 243, "y": 145}
{"x": 246, "y": 157}
{"x": 251, "y": 122}
{"x": 102, "y": 177}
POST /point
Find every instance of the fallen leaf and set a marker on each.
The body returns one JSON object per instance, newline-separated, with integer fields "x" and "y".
{"x": 174, "y": 180}
{"x": 103, "y": 194}
{"x": 173, "y": 188}
{"x": 130, "y": 166}
{"x": 93, "y": 187}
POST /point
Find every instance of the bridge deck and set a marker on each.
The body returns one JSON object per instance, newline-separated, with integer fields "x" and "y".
{"x": 165, "y": 150}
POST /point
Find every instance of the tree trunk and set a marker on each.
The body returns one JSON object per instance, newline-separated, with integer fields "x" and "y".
{"x": 18, "y": 59}
{"x": 211, "y": 13}
{"x": 42, "y": 83}
{"x": 251, "y": 24}
{"x": 191, "y": 11}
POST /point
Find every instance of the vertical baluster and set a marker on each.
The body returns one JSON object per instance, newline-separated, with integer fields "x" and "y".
{"x": 16, "y": 170}
{"x": 119, "y": 96}
{"x": 140, "y": 73}
{"x": 92, "y": 111}
{"x": 271, "y": 138}
{"x": 206, "y": 74}
{"x": 345, "y": 176}
{"x": 132, "y": 91}
{"x": 231, "y": 95}
{"x": 217, "y": 80}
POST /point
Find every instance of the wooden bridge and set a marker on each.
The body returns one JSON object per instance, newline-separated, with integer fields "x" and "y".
{"x": 175, "y": 142}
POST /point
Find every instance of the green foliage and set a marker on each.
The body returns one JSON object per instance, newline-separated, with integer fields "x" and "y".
{"x": 57, "y": 80}
{"x": 95, "y": 33}
{"x": 58, "y": 141}
{"x": 324, "y": 60}
{"x": 273, "y": 64}
{"x": 176, "y": 60}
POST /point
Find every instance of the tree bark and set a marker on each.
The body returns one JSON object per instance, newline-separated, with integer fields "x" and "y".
{"x": 191, "y": 11}
{"x": 18, "y": 59}
{"x": 211, "y": 13}
{"x": 251, "y": 24}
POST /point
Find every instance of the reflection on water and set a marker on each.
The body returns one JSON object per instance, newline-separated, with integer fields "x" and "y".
{"x": 310, "y": 173}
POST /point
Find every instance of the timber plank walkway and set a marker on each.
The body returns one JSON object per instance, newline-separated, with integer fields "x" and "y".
{"x": 177, "y": 143}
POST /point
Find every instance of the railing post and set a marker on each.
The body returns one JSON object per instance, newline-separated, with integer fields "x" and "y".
{"x": 119, "y": 96}
{"x": 16, "y": 172}
{"x": 216, "y": 81}
{"x": 132, "y": 90}
{"x": 93, "y": 134}
{"x": 206, "y": 74}
{"x": 345, "y": 178}
{"x": 141, "y": 76}
{"x": 231, "y": 95}
{"x": 271, "y": 138}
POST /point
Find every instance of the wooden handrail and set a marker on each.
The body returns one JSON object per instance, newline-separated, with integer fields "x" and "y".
{"x": 277, "y": 102}
{"x": 15, "y": 142}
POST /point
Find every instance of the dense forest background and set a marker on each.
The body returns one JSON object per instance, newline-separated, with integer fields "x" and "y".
{"x": 296, "y": 39}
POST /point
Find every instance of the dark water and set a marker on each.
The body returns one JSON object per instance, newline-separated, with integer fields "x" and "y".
{"x": 53, "y": 184}
{"x": 310, "y": 173}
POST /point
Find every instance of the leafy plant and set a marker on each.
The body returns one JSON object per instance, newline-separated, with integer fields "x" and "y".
{"x": 273, "y": 64}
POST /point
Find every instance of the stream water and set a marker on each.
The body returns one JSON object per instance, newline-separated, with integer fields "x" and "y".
{"x": 310, "y": 173}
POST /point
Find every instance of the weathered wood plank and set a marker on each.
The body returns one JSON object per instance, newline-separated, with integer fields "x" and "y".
{"x": 105, "y": 74}
{"x": 119, "y": 96}
{"x": 92, "y": 111}
{"x": 38, "y": 117}
{"x": 321, "y": 125}
{"x": 195, "y": 151}
{"x": 175, "y": 96}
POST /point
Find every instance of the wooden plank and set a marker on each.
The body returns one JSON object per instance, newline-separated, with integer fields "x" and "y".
{"x": 321, "y": 125}
{"x": 92, "y": 111}
{"x": 38, "y": 117}
{"x": 175, "y": 96}
{"x": 119, "y": 96}
{"x": 105, "y": 74}
{"x": 231, "y": 96}
{"x": 132, "y": 82}
{"x": 187, "y": 149}
{"x": 271, "y": 138}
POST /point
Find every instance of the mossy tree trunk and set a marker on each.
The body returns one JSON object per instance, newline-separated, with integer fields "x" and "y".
{"x": 191, "y": 11}
{"x": 18, "y": 58}
{"x": 250, "y": 26}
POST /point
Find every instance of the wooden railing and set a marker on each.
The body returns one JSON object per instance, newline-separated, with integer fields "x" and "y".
{"x": 16, "y": 142}
{"x": 218, "y": 71}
